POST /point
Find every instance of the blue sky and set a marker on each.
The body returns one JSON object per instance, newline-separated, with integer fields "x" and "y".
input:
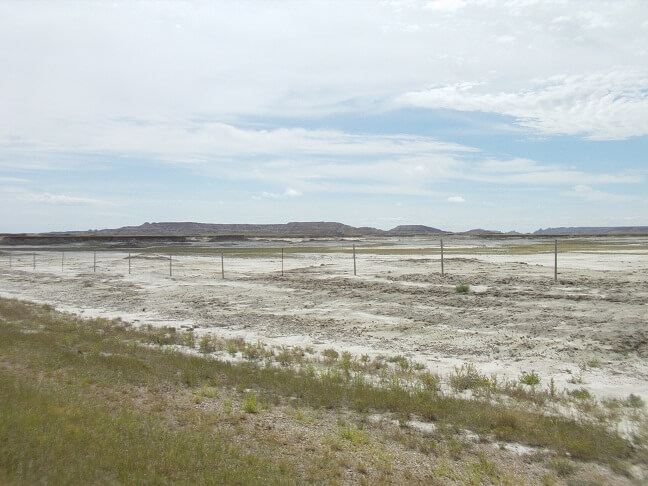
{"x": 505, "y": 115}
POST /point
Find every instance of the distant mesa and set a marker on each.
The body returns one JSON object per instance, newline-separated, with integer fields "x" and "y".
{"x": 414, "y": 229}
{"x": 319, "y": 228}
{"x": 479, "y": 231}
{"x": 592, "y": 230}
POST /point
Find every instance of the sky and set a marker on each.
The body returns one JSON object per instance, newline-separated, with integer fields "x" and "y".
{"x": 457, "y": 114}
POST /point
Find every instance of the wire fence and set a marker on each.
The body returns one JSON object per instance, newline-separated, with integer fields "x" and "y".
{"x": 440, "y": 257}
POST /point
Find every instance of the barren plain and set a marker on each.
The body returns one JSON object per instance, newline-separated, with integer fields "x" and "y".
{"x": 587, "y": 329}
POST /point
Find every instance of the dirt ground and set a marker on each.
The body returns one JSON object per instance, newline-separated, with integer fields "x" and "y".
{"x": 588, "y": 329}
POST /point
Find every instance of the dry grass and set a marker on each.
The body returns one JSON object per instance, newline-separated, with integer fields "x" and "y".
{"x": 78, "y": 394}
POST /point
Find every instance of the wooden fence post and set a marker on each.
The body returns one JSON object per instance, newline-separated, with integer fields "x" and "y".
{"x": 282, "y": 262}
{"x": 62, "y": 259}
{"x": 442, "y": 268}
{"x": 129, "y": 263}
{"x": 555, "y": 260}
{"x": 354, "y": 261}
{"x": 34, "y": 262}
{"x": 94, "y": 263}
{"x": 222, "y": 266}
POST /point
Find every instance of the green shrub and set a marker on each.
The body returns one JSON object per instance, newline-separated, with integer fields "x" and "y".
{"x": 331, "y": 354}
{"x": 531, "y": 379}
{"x": 580, "y": 394}
{"x": 462, "y": 288}
{"x": 206, "y": 345}
{"x": 468, "y": 378}
{"x": 250, "y": 405}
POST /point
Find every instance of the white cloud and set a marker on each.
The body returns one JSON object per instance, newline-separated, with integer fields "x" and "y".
{"x": 589, "y": 194}
{"x": 526, "y": 171}
{"x": 288, "y": 193}
{"x": 61, "y": 199}
{"x": 456, "y": 199}
{"x": 600, "y": 106}
{"x": 292, "y": 193}
{"x": 85, "y": 63}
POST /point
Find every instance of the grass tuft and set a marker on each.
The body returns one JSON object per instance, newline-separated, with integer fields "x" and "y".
{"x": 462, "y": 288}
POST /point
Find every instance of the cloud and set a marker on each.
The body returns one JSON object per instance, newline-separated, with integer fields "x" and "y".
{"x": 292, "y": 193}
{"x": 288, "y": 193}
{"x": 599, "y": 106}
{"x": 589, "y": 194}
{"x": 61, "y": 199}
{"x": 456, "y": 199}
{"x": 171, "y": 60}
{"x": 526, "y": 171}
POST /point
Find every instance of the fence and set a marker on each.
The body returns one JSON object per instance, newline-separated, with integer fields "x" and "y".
{"x": 341, "y": 259}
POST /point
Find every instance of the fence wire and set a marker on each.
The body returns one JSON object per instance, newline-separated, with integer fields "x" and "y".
{"x": 558, "y": 257}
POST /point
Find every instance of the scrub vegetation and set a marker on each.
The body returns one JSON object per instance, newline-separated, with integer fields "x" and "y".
{"x": 99, "y": 401}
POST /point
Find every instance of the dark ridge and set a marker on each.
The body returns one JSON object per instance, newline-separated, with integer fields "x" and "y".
{"x": 592, "y": 230}
{"x": 414, "y": 229}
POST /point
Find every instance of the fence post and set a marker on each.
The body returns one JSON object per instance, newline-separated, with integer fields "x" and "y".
{"x": 129, "y": 263}
{"x": 555, "y": 260}
{"x": 442, "y": 269}
{"x": 170, "y": 267}
{"x": 282, "y": 262}
{"x": 222, "y": 267}
{"x": 62, "y": 259}
{"x": 94, "y": 263}
{"x": 354, "y": 261}
{"x": 34, "y": 262}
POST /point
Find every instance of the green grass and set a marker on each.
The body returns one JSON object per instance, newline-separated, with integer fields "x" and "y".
{"x": 60, "y": 437}
{"x": 78, "y": 375}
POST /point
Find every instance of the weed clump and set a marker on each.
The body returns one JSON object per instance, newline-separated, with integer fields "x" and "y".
{"x": 635, "y": 401}
{"x": 531, "y": 379}
{"x": 331, "y": 354}
{"x": 251, "y": 405}
{"x": 468, "y": 378}
{"x": 580, "y": 394}
{"x": 462, "y": 288}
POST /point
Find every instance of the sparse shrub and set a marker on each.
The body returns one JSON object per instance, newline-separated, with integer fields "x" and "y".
{"x": 548, "y": 480}
{"x": 345, "y": 363}
{"x": 331, "y": 354}
{"x": 552, "y": 388}
{"x": 594, "y": 363}
{"x": 187, "y": 339}
{"x": 563, "y": 467}
{"x": 285, "y": 356}
{"x": 399, "y": 360}
{"x": 468, "y": 378}
{"x": 251, "y": 405}
{"x": 580, "y": 394}
{"x": 206, "y": 345}
{"x": 353, "y": 434}
{"x": 531, "y": 379}
{"x": 208, "y": 392}
{"x": 430, "y": 381}
{"x": 462, "y": 288}
{"x": 234, "y": 345}
{"x": 254, "y": 351}
{"x": 635, "y": 401}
